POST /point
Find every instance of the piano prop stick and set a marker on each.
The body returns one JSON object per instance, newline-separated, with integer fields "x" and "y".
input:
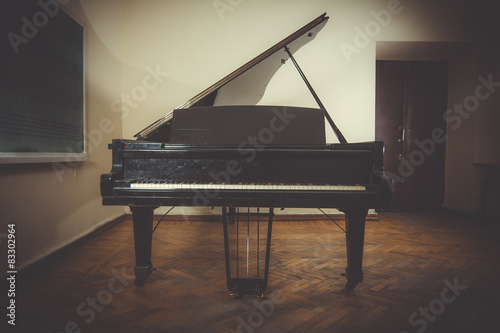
{"x": 337, "y": 132}
{"x": 220, "y": 149}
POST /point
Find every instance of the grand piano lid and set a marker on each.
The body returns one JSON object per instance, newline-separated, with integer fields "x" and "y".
{"x": 246, "y": 85}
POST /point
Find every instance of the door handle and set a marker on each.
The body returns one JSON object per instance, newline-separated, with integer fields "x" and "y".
{"x": 402, "y": 139}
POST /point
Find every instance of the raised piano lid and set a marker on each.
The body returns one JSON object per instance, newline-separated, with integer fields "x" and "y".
{"x": 244, "y": 86}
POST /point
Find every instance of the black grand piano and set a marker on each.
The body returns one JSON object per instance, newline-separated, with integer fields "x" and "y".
{"x": 221, "y": 149}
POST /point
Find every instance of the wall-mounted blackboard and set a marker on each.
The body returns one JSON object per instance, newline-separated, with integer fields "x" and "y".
{"x": 41, "y": 83}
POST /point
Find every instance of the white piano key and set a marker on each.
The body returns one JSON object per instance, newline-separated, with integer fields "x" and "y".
{"x": 246, "y": 187}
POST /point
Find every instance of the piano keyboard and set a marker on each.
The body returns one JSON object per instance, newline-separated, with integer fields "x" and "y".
{"x": 244, "y": 186}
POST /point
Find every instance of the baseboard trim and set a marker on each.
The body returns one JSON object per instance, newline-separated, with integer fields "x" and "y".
{"x": 50, "y": 258}
{"x": 32, "y": 267}
{"x": 277, "y": 217}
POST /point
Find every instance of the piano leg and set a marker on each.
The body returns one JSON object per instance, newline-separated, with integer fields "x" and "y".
{"x": 143, "y": 236}
{"x": 355, "y": 233}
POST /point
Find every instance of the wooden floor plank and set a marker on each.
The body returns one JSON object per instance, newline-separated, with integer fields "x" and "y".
{"x": 409, "y": 260}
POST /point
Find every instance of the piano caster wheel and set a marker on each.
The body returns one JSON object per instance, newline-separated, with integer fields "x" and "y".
{"x": 139, "y": 282}
{"x": 350, "y": 285}
{"x": 142, "y": 274}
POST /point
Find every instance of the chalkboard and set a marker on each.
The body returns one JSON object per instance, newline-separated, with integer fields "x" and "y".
{"x": 41, "y": 82}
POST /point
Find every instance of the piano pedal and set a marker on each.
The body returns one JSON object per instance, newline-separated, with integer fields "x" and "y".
{"x": 240, "y": 294}
{"x": 235, "y": 292}
{"x": 350, "y": 285}
{"x": 258, "y": 292}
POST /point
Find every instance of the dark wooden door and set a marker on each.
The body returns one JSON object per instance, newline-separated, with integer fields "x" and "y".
{"x": 411, "y": 99}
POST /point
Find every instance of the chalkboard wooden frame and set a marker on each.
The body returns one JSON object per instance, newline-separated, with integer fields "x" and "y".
{"x": 42, "y": 84}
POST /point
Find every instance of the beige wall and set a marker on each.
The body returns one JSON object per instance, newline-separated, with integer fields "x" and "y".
{"x": 189, "y": 41}
{"x": 146, "y": 57}
{"x": 55, "y": 204}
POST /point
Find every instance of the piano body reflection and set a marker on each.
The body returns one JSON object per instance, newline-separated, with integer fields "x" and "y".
{"x": 221, "y": 149}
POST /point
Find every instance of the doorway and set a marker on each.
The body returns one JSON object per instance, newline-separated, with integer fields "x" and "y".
{"x": 411, "y": 100}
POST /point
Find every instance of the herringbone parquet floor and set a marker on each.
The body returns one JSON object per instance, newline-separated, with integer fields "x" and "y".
{"x": 423, "y": 273}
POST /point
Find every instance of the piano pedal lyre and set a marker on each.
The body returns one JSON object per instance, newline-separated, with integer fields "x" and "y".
{"x": 242, "y": 235}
